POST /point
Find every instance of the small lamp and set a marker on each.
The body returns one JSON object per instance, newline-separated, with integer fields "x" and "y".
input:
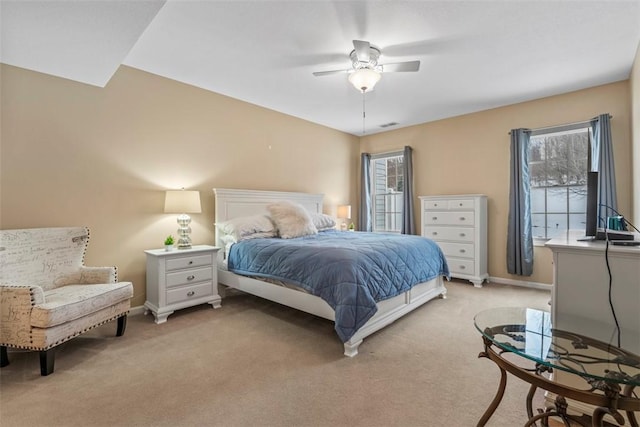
{"x": 344, "y": 212}
{"x": 183, "y": 202}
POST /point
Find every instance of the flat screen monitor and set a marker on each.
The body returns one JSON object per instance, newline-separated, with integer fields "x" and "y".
{"x": 592, "y": 204}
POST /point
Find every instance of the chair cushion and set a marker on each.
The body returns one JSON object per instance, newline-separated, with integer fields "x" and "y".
{"x": 72, "y": 302}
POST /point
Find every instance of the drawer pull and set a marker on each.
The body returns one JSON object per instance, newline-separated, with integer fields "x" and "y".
{"x": 191, "y": 277}
{"x": 462, "y": 234}
{"x": 435, "y": 205}
{"x": 462, "y": 267}
{"x": 462, "y": 251}
{"x": 435, "y": 218}
{"x": 462, "y": 218}
{"x": 190, "y": 262}
{"x": 435, "y": 233}
{"x": 190, "y": 293}
{"x": 459, "y": 204}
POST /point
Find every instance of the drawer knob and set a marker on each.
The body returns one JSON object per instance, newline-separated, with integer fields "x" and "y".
{"x": 462, "y": 267}
{"x": 459, "y": 204}
{"x": 190, "y": 262}
{"x": 191, "y": 277}
{"x": 462, "y": 234}
{"x": 435, "y": 204}
{"x": 462, "y": 251}
{"x": 435, "y": 218}
{"x": 435, "y": 233}
{"x": 190, "y": 293}
{"x": 462, "y": 218}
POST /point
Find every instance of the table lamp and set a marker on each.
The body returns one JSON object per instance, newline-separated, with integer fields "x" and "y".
{"x": 183, "y": 202}
{"x": 344, "y": 212}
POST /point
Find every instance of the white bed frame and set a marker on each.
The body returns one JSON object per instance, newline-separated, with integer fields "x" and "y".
{"x": 230, "y": 203}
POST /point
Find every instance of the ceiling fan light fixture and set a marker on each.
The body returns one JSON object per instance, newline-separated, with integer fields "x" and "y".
{"x": 364, "y": 79}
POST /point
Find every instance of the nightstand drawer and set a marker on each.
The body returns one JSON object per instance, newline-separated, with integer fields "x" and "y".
{"x": 189, "y": 261}
{"x": 460, "y": 234}
{"x": 186, "y": 277}
{"x": 461, "y": 250}
{"x": 460, "y": 266}
{"x": 449, "y": 218}
{"x": 189, "y": 292}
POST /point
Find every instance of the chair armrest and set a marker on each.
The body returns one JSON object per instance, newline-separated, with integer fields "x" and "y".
{"x": 96, "y": 275}
{"x": 16, "y": 303}
{"x": 89, "y": 276}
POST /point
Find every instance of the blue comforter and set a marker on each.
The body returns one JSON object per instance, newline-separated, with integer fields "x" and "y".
{"x": 350, "y": 271}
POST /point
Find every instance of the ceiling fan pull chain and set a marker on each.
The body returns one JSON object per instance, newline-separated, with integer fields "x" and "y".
{"x": 363, "y": 114}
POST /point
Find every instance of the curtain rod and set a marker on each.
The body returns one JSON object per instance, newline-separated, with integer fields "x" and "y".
{"x": 566, "y": 125}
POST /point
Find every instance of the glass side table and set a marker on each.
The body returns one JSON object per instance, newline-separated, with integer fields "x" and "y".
{"x": 610, "y": 373}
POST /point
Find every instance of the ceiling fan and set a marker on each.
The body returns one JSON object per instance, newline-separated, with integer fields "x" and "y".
{"x": 366, "y": 71}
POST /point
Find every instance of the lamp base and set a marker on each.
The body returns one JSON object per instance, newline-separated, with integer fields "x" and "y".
{"x": 184, "y": 240}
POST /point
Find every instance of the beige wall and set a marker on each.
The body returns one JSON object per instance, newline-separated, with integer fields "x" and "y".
{"x": 74, "y": 154}
{"x": 470, "y": 154}
{"x": 635, "y": 130}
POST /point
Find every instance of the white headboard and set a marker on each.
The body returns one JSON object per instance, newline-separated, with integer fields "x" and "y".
{"x": 233, "y": 203}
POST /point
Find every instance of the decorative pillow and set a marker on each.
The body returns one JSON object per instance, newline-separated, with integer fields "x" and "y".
{"x": 291, "y": 219}
{"x": 247, "y": 227}
{"x": 323, "y": 222}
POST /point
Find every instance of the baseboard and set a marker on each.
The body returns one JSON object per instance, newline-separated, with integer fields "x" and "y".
{"x": 523, "y": 283}
{"x": 134, "y": 311}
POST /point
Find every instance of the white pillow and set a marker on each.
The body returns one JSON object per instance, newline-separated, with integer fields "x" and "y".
{"x": 323, "y": 221}
{"x": 247, "y": 227}
{"x": 291, "y": 219}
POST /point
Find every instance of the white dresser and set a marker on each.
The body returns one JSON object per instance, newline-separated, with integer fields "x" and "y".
{"x": 181, "y": 278}
{"x": 458, "y": 223}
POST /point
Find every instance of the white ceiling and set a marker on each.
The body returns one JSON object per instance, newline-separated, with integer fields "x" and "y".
{"x": 474, "y": 55}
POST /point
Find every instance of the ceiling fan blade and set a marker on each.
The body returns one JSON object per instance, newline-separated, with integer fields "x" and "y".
{"x": 362, "y": 50}
{"x": 401, "y": 67}
{"x": 328, "y": 73}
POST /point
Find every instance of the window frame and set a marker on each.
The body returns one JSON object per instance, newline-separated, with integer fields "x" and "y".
{"x": 374, "y": 211}
{"x": 550, "y": 131}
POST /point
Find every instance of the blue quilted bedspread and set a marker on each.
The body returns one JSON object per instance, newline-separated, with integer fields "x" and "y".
{"x": 349, "y": 270}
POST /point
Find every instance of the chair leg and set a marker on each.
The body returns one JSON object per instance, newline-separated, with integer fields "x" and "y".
{"x": 4, "y": 358}
{"x": 47, "y": 359}
{"x": 122, "y": 325}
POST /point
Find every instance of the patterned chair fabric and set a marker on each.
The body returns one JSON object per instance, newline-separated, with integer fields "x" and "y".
{"x": 48, "y": 296}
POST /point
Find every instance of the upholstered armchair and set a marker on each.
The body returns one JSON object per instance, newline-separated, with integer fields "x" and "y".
{"x": 48, "y": 296}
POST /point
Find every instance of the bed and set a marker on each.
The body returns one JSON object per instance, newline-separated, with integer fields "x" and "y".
{"x": 233, "y": 204}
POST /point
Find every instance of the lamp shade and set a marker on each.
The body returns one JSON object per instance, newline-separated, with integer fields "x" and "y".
{"x": 364, "y": 79}
{"x": 182, "y": 201}
{"x": 344, "y": 211}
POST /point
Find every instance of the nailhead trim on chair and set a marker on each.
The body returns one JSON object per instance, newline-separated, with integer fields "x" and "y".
{"x": 65, "y": 339}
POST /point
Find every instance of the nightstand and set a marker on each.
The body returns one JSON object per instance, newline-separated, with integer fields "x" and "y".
{"x": 180, "y": 279}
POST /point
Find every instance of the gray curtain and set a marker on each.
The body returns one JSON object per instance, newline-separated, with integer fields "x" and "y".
{"x": 408, "y": 220}
{"x": 602, "y": 162}
{"x": 364, "y": 212}
{"x": 519, "y": 232}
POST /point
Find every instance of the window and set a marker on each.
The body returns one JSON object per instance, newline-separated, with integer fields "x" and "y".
{"x": 387, "y": 172}
{"x": 558, "y": 165}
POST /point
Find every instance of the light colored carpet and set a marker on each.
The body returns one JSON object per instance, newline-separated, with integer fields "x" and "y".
{"x": 256, "y": 363}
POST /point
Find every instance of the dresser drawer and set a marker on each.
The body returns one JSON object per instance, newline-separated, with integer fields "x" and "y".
{"x": 186, "y": 293}
{"x": 437, "y": 205}
{"x": 461, "y": 250}
{"x": 449, "y": 218}
{"x": 189, "y": 261}
{"x": 460, "y": 266}
{"x": 186, "y": 277}
{"x": 458, "y": 234}
{"x": 461, "y": 204}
